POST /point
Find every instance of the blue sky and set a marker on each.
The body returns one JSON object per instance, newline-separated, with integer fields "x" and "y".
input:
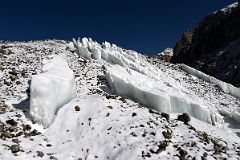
{"x": 145, "y": 26}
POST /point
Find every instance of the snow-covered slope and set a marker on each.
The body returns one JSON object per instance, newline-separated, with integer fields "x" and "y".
{"x": 127, "y": 107}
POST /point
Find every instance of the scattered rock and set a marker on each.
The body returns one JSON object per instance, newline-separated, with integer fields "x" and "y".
{"x": 49, "y": 145}
{"x": 77, "y": 108}
{"x": 6, "y": 134}
{"x": 15, "y": 148}
{"x": 40, "y": 154}
{"x": 184, "y": 118}
{"x": 110, "y": 107}
{"x": 12, "y": 122}
{"x": 13, "y": 77}
{"x": 19, "y": 134}
{"x": 1, "y": 126}
{"x": 12, "y": 129}
{"x": 35, "y": 133}
{"x": 122, "y": 99}
{"x": 161, "y": 147}
{"x": 165, "y": 115}
{"x": 167, "y": 134}
{"x": 26, "y": 127}
{"x": 134, "y": 114}
{"x": 205, "y": 154}
{"x": 182, "y": 152}
{"x": 13, "y": 72}
{"x": 108, "y": 96}
{"x": 205, "y": 137}
{"x": 52, "y": 157}
{"x": 133, "y": 134}
{"x": 15, "y": 140}
{"x": 3, "y": 110}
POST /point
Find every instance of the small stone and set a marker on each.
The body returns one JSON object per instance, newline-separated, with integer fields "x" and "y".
{"x": 133, "y": 134}
{"x": 110, "y": 107}
{"x": 182, "y": 152}
{"x": 40, "y": 154}
{"x": 35, "y": 133}
{"x": 19, "y": 134}
{"x": 13, "y": 77}
{"x": 77, "y": 108}
{"x": 205, "y": 154}
{"x": 3, "y": 110}
{"x": 12, "y": 122}
{"x": 205, "y": 137}
{"x": 184, "y": 118}
{"x": 13, "y": 72}
{"x": 122, "y": 99}
{"x": 49, "y": 145}
{"x": 26, "y": 127}
{"x": 12, "y": 129}
{"x": 15, "y": 140}
{"x": 167, "y": 134}
{"x": 15, "y": 148}
{"x": 1, "y": 126}
{"x": 6, "y": 134}
{"x": 52, "y": 157}
{"x": 165, "y": 115}
{"x": 18, "y": 82}
{"x": 134, "y": 114}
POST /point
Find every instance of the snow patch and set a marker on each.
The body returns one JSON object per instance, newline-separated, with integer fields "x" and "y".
{"x": 228, "y": 8}
{"x": 50, "y": 90}
{"x": 167, "y": 51}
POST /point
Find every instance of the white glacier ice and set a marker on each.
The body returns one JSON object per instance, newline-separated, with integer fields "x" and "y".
{"x": 1, "y": 74}
{"x": 71, "y": 46}
{"x": 134, "y": 85}
{"x": 225, "y": 87}
{"x": 162, "y": 99}
{"x": 50, "y": 90}
{"x": 134, "y": 62}
{"x": 96, "y": 53}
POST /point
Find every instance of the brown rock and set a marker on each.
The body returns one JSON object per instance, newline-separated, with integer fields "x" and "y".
{"x": 40, "y": 154}
{"x": 6, "y": 134}
{"x": 77, "y": 108}
{"x": 12, "y": 122}
{"x": 1, "y": 126}
{"x": 15, "y": 148}
{"x": 15, "y": 140}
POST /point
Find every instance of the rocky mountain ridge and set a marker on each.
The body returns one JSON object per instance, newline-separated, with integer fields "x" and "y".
{"x": 213, "y": 46}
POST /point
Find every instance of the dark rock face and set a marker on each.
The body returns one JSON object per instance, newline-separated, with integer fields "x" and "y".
{"x": 213, "y": 46}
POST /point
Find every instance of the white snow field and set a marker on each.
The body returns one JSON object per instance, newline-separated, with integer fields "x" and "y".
{"x": 118, "y": 110}
{"x": 51, "y": 89}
